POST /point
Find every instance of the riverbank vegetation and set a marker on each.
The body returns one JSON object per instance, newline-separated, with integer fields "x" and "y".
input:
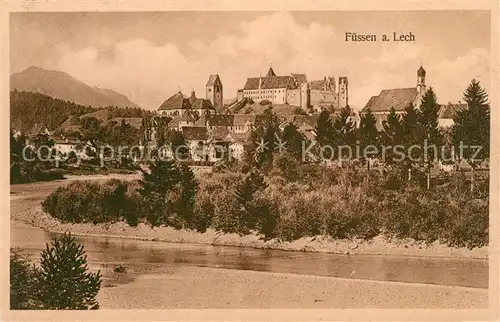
{"x": 336, "y": 202}
{"x": 283, "y": 195}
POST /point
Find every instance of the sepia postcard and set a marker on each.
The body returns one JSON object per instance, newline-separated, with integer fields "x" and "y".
{"x": 250, "y": 160}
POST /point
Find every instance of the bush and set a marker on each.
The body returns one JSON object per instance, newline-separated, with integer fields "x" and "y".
{"x": 265, "y": 102}
{"x": 85, "y": 201}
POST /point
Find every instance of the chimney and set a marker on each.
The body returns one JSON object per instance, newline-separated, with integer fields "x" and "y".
{"x": 193, "y": 94}
{"x": 260, "y": 82}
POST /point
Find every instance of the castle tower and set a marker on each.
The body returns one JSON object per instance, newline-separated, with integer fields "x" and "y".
{"x": 305, "y": 96}
{"x": 343, "y": 92}
{"x": 421, "y": 83}
{"x": 214, "y": 92}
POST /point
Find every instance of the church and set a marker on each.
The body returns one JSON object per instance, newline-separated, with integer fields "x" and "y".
{"x": 180, "y": 104}
{"x": 399, "y": 98}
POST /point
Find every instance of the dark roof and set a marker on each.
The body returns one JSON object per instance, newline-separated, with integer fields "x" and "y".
{"x": 240, "y": 137}
{"x": 176, "y": 101}
{"x": 212, "y": 79}
{"x": 219, "y": 133}
{"x": 268, "y": 82}
{"x": 301, "y": 78}
{"x": 174, "y": 122}
{"x": 187, "y": 117}
{"x": 220, "y": 120}
{"x": 319, "y": 84}
{"x": 448, "y": 111}
{"x": 201, "y": 103}
{"x": 195, "y": 133}
{"x": 135, "y": 122}
{"x": 270, "y": 72}
{"x": 241, "y": 119}
{"x": 398, "y": 98}
{"x": 421, "y": 71}
{"x": 310, "y": 120}
{"x": 179, "y": 101}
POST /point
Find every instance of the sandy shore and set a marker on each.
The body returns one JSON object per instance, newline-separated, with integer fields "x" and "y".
{"x": 25, "y": 206}
{"x": 206, "y": 288}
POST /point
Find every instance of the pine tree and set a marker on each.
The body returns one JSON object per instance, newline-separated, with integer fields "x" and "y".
{"x": 158, "y": 188}
{"x": 189, "y": 186}
{"x": 63, "y": 278}
{"x": 344, "y": 131}
{"x": 368, "y": 134}
{"x": 292, "y": 140}
{"x": 472, "y": 125}
{"x": 324, "y": 129}
{"x": 410, "y": 130}
{"x": 428, "y": 120}
{"x": 429, "y": 130}
{"x": 391, "y": 135}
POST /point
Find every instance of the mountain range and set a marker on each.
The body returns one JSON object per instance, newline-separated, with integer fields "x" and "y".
{"x": 60, "y": 85}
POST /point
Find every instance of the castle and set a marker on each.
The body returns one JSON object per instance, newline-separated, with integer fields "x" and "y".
{"x": 296, "y": 90}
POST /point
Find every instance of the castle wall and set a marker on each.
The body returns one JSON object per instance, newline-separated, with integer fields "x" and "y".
{"x": 323, "y": 97}
{"x": 293, "y": 97}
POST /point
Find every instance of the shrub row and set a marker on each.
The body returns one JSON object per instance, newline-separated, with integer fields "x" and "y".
{"x": 341, "y": 203}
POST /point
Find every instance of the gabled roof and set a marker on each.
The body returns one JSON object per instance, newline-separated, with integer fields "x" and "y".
{"x": 448, "y": 111}
{"x": 271, "y": 82}
{"x": 202, "y": 104}
{"x": 219, "y": 133}
{"x": 187, "y": 117}
{"x": 195, "y": 133}
{"x": 212, "y": 79}
{"x": 220, "y": 120}
{"x": 239, "y": 137}
{"x": 398, "y": 98}
{"x": 301, "y": 78}
{"x": 176, "y": 101}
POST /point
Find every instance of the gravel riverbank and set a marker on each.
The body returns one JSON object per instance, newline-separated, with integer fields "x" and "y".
{"x": 378, "y": 246}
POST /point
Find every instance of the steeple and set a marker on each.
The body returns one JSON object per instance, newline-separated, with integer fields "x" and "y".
{"x": 421, "y": 71}
{"x": 270, "y": 72}
{"x": 421, "y": 88}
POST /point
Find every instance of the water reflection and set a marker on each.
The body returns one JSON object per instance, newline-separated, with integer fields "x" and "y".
{"x": 160, "y": 256}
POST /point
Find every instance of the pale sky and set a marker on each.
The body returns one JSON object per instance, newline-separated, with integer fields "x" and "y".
{"x": 150, "y": 56}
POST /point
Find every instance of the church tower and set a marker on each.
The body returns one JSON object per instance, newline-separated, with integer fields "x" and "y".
{"x": 420, "y": 84}
{"x": 343, "y": 92}
{"x": 214, "y": 92}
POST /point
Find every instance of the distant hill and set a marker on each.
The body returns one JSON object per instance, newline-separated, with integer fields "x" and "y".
{"x": 27, "y": 110}
{"x": 60, "y": 85}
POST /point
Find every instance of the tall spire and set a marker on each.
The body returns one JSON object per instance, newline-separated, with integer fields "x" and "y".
{"x": 270, "y": 72}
